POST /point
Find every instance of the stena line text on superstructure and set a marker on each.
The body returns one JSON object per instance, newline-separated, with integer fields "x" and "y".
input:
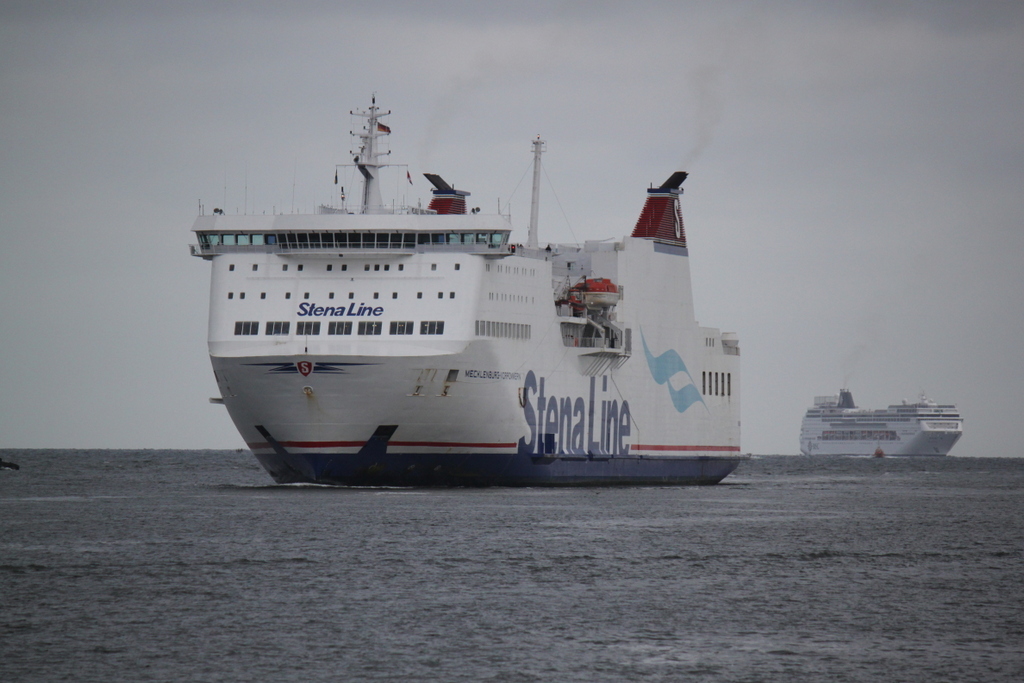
{"x": 574, "y": 425}
{"x": 312, "y": 310}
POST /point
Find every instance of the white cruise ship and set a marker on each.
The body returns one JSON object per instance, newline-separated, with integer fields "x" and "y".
{"x": 835, "y": 426}
{"x": 407, "y": 346}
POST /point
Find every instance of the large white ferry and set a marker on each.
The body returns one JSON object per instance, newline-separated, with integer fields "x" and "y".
{"x": 410, "y": 346}
{"x": 836, "y": 426}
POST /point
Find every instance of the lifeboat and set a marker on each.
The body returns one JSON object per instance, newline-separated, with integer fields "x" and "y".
{"x": 595, "y": 292}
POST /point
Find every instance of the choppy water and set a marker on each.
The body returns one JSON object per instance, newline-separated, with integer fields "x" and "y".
{"x": 186, "y": 565}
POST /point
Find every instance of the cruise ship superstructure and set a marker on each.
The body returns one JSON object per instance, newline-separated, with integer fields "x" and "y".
{"x": 836, "y": 426}
{"x": 406, "y": 346}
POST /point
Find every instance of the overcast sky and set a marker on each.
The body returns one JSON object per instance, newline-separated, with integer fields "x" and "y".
{"x": 854, "y": 209}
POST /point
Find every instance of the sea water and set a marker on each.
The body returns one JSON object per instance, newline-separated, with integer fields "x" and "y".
{"x": 193, "y": 566}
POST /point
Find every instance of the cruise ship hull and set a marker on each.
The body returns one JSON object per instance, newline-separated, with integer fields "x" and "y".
{"x": 924, "y": 445}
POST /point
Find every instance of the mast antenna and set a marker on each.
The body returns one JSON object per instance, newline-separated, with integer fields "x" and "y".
{"x": 367, "y": 160}
{"x": 538, "y": 149}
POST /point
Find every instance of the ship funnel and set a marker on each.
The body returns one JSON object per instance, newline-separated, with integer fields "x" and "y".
{"x": 660, "y": 218}
{"x": 674, "y": 181}
{"x": 447, "y": 199}
{"x": 846, "y": 399}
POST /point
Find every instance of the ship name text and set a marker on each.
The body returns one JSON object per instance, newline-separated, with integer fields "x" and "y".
{"x": 354, "y": 310}
{"x": 592, "y": 426}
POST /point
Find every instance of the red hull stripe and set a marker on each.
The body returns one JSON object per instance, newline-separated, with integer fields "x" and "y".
{"x": 658, "y": 447}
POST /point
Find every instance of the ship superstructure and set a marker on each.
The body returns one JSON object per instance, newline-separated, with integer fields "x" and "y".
{"x": 836, "y": 426}
{"x": 413, "y": 346}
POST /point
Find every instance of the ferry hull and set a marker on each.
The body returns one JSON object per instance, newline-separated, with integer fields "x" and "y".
{"x": 491, "y": 469}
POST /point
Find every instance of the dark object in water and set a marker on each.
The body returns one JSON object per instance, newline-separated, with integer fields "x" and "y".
{"x": 8, "y": 465}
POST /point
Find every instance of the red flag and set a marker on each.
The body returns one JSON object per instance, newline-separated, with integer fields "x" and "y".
{"x": 382, "y": 128}
{"x": 409, "y": 177}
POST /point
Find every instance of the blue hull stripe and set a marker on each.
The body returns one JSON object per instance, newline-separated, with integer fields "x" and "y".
{"x": 493, "y": 469}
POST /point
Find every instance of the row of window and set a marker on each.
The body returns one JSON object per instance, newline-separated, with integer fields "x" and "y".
{"x": 364, "y": 327}
{"x": 716, "y": 383}
{"x": 351, "y": 295}
{"x": 492, "y": 328}
{"x": 352, "y": 240}
{"x": 512, "y": 270}
{"x": 859, "y": 435}
{"x": 500, "y": 296}
{"x": 344, "y": 266}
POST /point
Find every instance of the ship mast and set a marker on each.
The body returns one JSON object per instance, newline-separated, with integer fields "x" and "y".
{"x": 367, "y": 160}
{"x": 538, "y": 149}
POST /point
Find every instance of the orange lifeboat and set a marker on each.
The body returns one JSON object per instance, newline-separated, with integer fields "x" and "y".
{"x": 598, "y": 292}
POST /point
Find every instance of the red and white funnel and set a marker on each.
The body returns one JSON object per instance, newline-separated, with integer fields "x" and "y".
{"x": 661, "y": 219}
